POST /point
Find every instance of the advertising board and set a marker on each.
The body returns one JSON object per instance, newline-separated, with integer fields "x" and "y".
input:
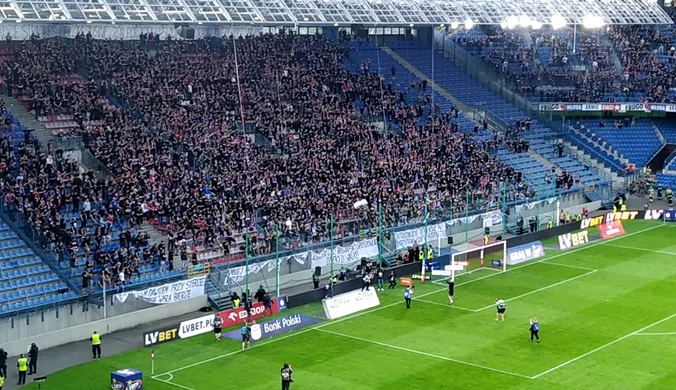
{"x": 350, "y": 302}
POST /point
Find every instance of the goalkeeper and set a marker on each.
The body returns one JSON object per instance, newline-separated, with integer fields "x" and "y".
{"x": 534, "y": 329}
{"x": 501, "y": 307}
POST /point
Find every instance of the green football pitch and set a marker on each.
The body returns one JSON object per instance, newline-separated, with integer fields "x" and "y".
{"x": 607, "y": 312}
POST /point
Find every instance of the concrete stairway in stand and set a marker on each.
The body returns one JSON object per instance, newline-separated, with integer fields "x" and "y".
{"x": 27, "y": 119}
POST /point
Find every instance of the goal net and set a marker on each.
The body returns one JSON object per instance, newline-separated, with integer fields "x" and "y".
{"x": 491, "y": 256}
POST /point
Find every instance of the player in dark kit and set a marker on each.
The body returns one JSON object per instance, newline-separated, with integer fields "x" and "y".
{"x": 218, "y": 322}
{"x": 246, "y": 335}
{"x": 451, "y": 290}
{"x": 286, "y": 376}
{"x": 534, "y": 329}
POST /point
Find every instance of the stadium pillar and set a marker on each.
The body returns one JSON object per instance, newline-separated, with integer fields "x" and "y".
{"x": 330, "y": 34}
{"x": 425, "y": 36}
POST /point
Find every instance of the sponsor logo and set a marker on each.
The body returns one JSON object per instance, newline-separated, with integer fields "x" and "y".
{"x": 552, "y": 107}
{"x": 282, "y": 303}
{"x": 276, "y": 327}
{"x": 634, "y": 107}
{"x": 653, "y": 214}
{"x": 418, "y": 277}
{"x": 406, "y": 282}
{"x": 611, "y": 229}
{"x": 611, "y": 107}
{"x": 591, "y": 222}
{"x": 160, "y": 336}
{"x": 496, "y": 263}
{"x": 621, "y": 216}
{"x": 116, "y": 385}
{"x": 239, "y": 315}
{"x": 525, "y": 252}
{"x": 571, "y": 240}
{"x": 348, "y": 303}
{"x": 126, "y": 379}
{"x": 196, "y": 327}
{"x": 574, "y": 107}
{"x": 135, "y": 385}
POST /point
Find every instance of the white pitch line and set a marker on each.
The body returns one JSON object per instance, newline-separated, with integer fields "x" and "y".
{"x": 571, "y": 266}
{"x": 656, "y": 334}
{"x": 424, "y": 354}
{"x": 539, "y": 290}
{"x": 399, "y": 303}
{"x": 634, "y": 333}
{"x": 173, "y": 384}
{"x": 445, "y": 305}
{"x": 643, "y": 249}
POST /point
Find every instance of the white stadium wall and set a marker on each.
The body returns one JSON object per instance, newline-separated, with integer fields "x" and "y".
{"x": 16, "y": 335}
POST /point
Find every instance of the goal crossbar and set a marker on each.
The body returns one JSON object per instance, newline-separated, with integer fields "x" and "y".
{"x": 459, "y": 260}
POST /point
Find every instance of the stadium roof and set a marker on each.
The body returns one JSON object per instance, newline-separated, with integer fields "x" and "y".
{"x": 331, "y": 12}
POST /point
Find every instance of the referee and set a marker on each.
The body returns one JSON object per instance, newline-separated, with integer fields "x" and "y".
{"x": 451, "y": 290}
{"x": 534, "y": 329}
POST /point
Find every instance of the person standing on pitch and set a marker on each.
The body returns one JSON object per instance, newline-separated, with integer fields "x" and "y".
{"x": 286, "y": 376}
{"x": 246, "y": 335}
{"x": 380, "y": 276}
{"x": 534, "y": 329}
{"x": 3, "y": 363}
{"x": 96, "y": 345}
{"x": 451, "y": 290}
{"x": 22, "y": 365}
{"x": 408, "y": 295}
{"x": 501, "y": 307}
{"x": 218, "y": 322}
{"x": 33, "y": 359}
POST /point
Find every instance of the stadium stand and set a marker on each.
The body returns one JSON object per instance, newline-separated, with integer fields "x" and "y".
{"x": 465, "y": 88}
{"x": 156, "y": 140}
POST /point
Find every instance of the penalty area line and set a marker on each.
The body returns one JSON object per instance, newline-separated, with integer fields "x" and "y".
{"x": 169, "y": 382}
{"x": 656, "y": 334}
{"x": 584, "y": 355}
{"x": 430, "y": 355}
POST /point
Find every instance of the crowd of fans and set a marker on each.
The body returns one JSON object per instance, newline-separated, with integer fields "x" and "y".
{"x": 177, "y": 139}
{"x": 562, "y": 66}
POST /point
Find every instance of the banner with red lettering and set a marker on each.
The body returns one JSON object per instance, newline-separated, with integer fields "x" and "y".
{"x": 237, "y": 316}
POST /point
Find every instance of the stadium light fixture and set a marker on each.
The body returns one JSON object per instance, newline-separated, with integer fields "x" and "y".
{"x": 503, "y": 25}
{"x": 558, "y": 22}
{"x": 455, "y": 25}
{"x": 512, "y": 22}
{"x": 469, "y": 23}
{"x": 524, "y": 21}
{"x": 536, "y": 25}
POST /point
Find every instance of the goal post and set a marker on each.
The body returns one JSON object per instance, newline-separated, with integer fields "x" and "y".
{"x": 491, "y": 256}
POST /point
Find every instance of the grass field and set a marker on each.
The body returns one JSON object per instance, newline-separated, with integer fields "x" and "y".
{"x": 607, "y": 313}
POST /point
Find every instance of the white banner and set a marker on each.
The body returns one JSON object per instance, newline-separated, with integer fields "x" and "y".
{"x": 168, "y": 293}
{"x": 532, "y": 205}
{"x": 346, "y": 255}
{"x": 351, "y": 302}
{"x": 407, "y": 238}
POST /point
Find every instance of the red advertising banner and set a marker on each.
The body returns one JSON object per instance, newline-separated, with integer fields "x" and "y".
{"x": 611, "y": 229}
{"x": 237, "y": 316}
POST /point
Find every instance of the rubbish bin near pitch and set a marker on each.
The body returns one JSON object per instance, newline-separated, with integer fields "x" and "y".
{"x": 126, "y": 379}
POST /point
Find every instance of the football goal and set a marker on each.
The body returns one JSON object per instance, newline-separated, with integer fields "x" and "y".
{"x": 489, "y": 257}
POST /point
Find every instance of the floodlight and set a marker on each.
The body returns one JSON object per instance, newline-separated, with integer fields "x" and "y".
{"x": 524, "y": 21}
{"x": 503, "y": 25}
{"x": 512, "y": 22}
{"x": 558, "y": 22}
{"x": 536, "y": 25}
{"x": 469, "y": 23}
{"x": 455, "y": 25}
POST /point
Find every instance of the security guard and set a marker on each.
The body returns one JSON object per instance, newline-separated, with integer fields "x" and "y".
{"x": 670, "y": 197}
{"x": 22, "y": 364}
{"x": 96, "y": 345}
{"x": 651, "y": 194}
{"x": 660, "y": 192}
{"x": 2, "y": 381}
{"x": 486, "y": 239}
{"x": 550, "y": 224}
